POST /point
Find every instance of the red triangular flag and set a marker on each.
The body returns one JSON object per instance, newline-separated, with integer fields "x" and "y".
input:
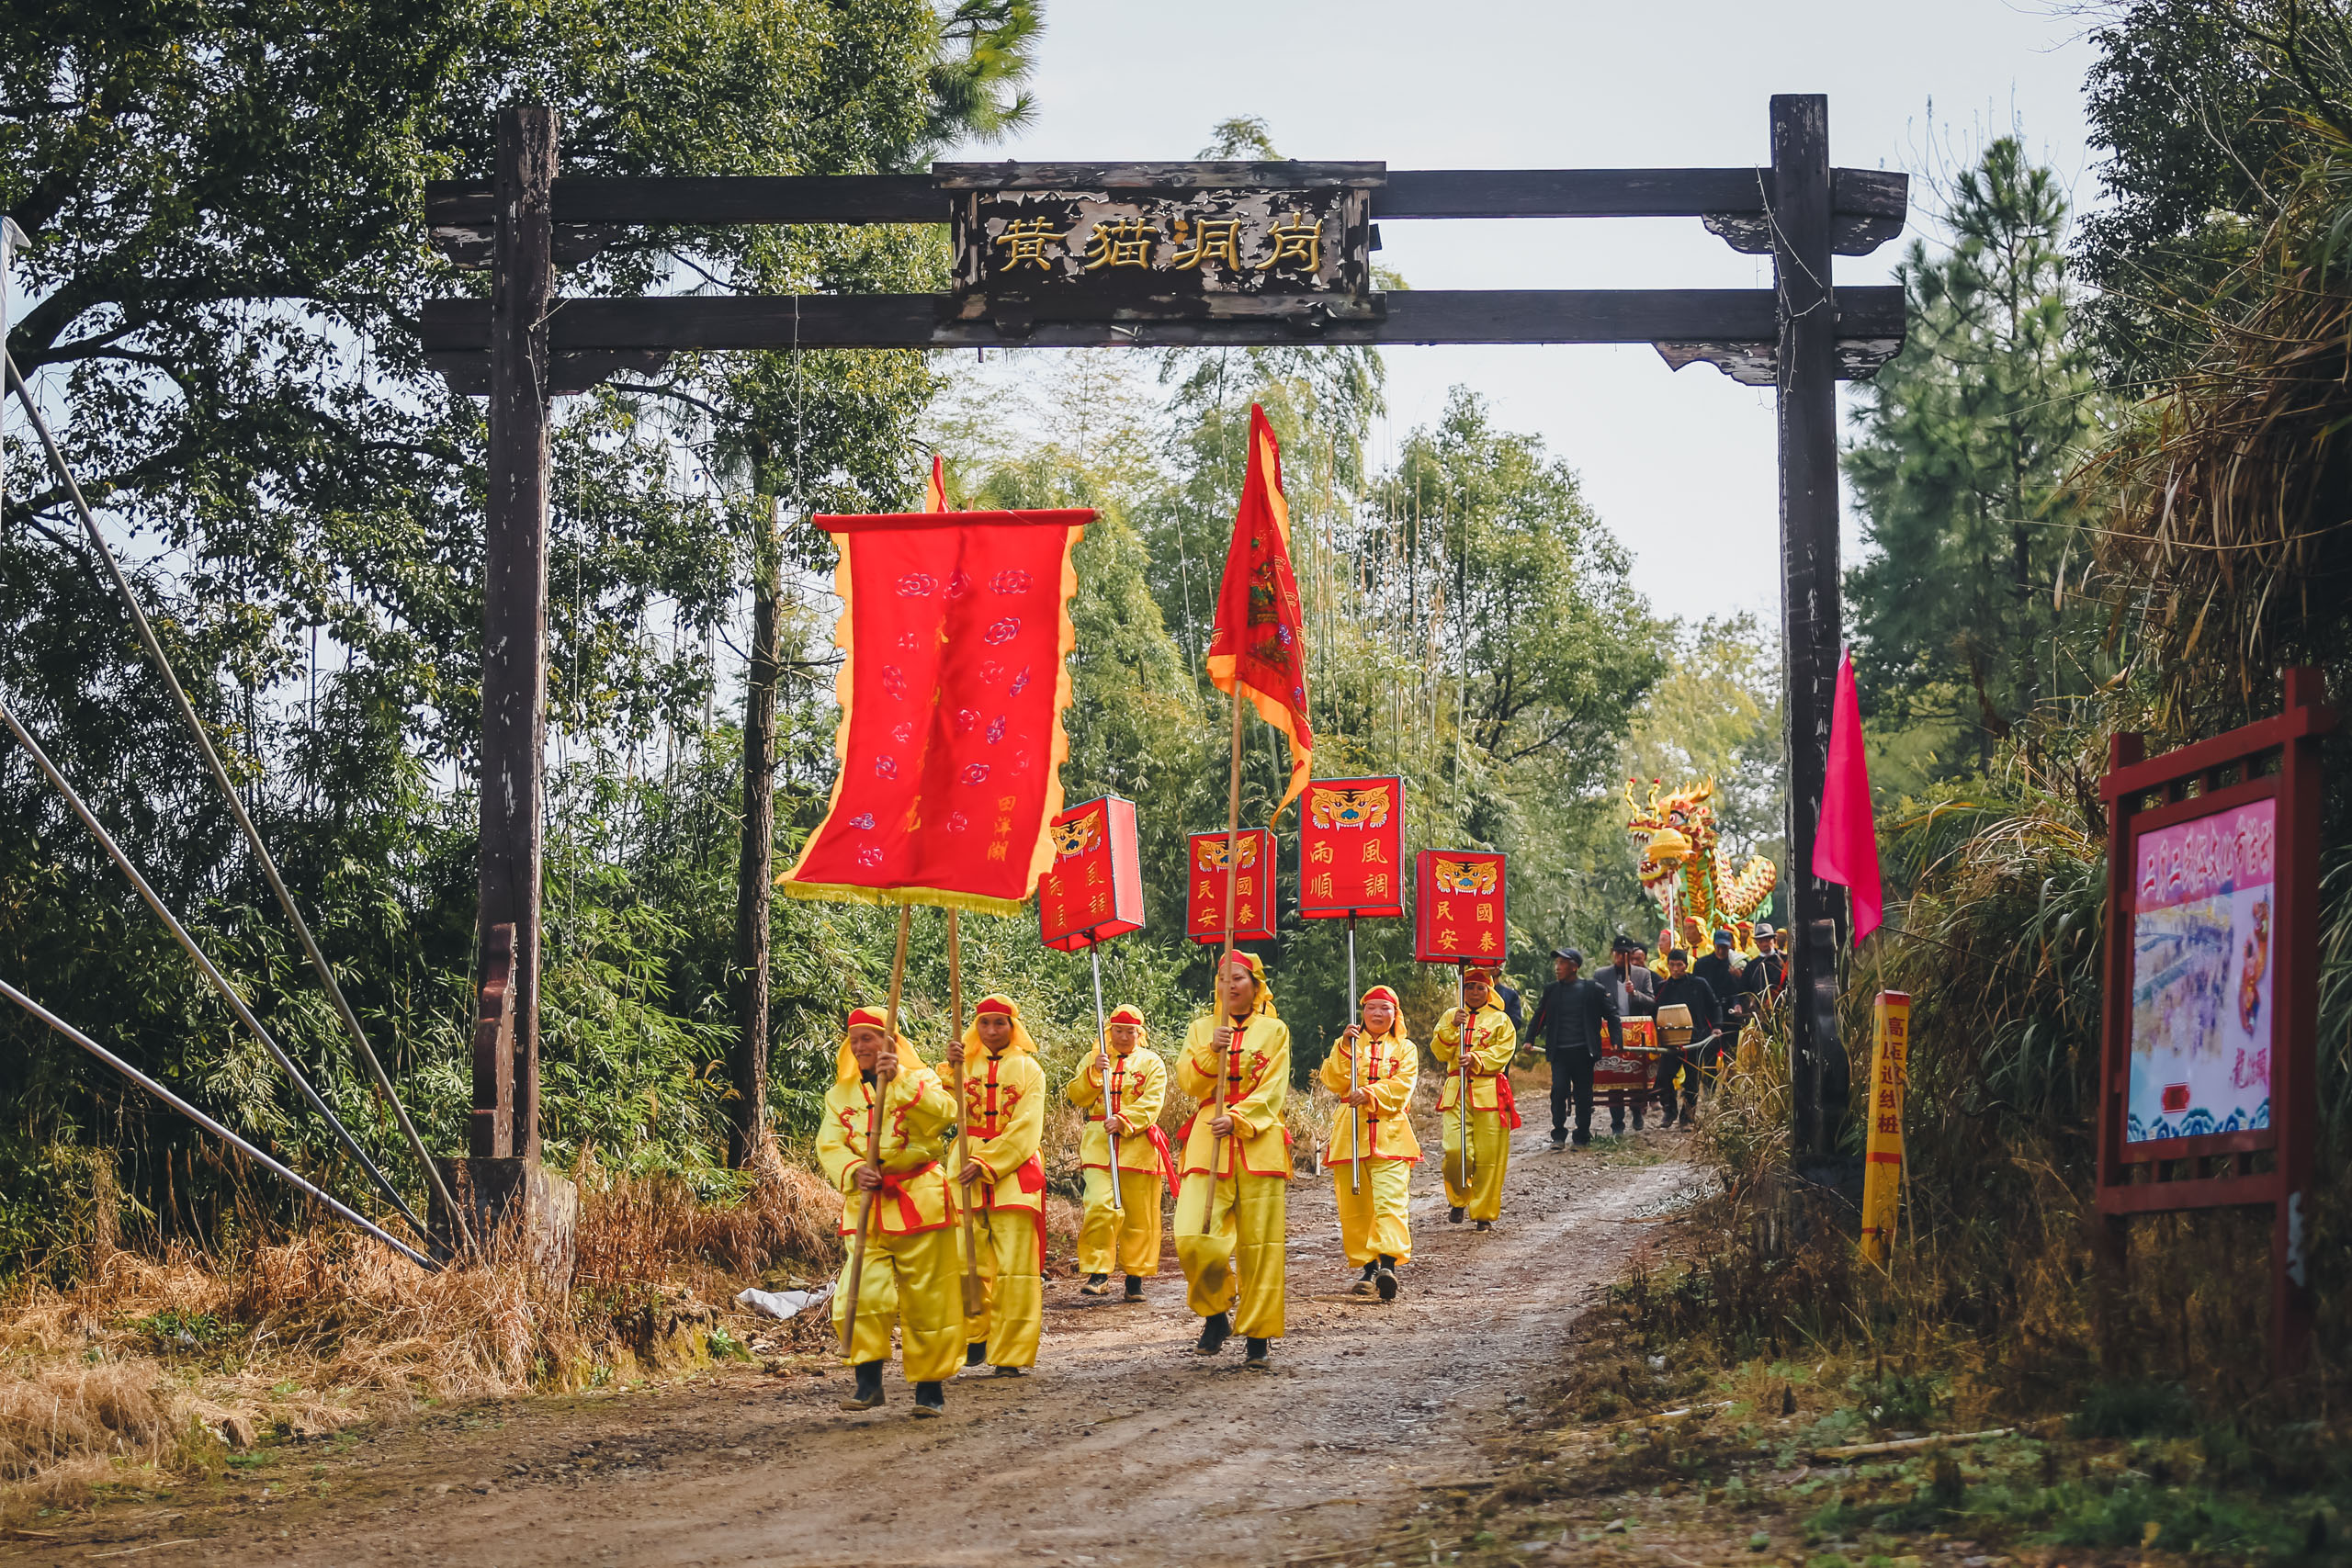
{"x": 1846, "y": 849}
{"x": 934, "y": 491}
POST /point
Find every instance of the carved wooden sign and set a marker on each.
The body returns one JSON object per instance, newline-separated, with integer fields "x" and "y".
{"x": 1161, "y": 241}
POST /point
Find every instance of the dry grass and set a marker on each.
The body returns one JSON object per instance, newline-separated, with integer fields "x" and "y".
{"x": 158, "y": 1366}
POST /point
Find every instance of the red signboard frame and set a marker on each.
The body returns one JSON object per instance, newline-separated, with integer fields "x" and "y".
{"x": 1346, "y": 827}
{"x": 1255, "y": 885}
{"x": 1095, "y": 853}
{"x": 1428, "y": 929}
{"x": 2276, "y": 759}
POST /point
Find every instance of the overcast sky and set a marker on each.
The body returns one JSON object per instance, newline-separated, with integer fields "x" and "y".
{"x": 1679, "y": 464}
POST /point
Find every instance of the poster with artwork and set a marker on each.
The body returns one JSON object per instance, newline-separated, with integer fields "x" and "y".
{"x": 2202, "y": 1012}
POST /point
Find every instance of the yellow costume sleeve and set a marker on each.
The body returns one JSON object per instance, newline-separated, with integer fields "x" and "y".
{"x": 1334, "y": 1070}
{"x": 837, "y": 1151}
{"x": 1394, "y": 1093}
{"x": 1446, "y": 1044}
{"x": 921, "y": 1110}
{"x": 1497, "y": 1041}
{"x": 1019, "y": 1132}
{"x": 1260, "y": 1110}
{"x": 1196, "y": 1067}
{"x": 1085, "y": 1090}
{"x": 1146, "y": 1089}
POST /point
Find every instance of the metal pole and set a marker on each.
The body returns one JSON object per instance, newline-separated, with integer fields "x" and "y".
{"x": 1811, "y": 612}
{"x": 1355, "y": 1115}
{"x": 1103, "y": 1054}
{"x": 215, "y": 1128}
{"x": 975, "y": 1294}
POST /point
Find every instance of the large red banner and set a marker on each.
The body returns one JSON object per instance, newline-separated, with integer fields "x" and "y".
{"x": 1093, "y": 891}
{"x": 1458, "y": 906}
{"x": 1253, "y": 887}
{"x": 1352, "y": 848}
{"x": 954, "y": 631}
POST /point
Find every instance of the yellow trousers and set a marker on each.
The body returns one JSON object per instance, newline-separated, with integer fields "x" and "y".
{"x": 1125, "y": 1241}
{"x": 1374, "y": 1221}
{"x": 1012, "y": 1292}
{"x": 1231, "y": 1245}
{"x": 1490, "y": 1155}
{"x": 910, "y": 1283}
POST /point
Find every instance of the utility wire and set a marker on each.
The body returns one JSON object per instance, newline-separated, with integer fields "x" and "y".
{"x": 219, "y": 982}
{"x": 252, "y": 834}
{"x": 215, "y": 1128}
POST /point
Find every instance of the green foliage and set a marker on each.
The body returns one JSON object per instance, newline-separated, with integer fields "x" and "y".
{"x": 1966, "y": 438}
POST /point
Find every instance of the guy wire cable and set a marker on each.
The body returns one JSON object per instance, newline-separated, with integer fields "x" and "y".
{"x": 219, "y": 982}
{"x": 237, "y": 806}
{"x": 216, "y": 1129}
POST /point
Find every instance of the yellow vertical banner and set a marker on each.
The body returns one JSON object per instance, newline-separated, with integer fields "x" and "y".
{"x": 1882, "y": 1167}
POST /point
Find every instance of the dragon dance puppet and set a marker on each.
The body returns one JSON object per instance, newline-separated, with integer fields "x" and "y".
{"x": 1685, "y": 869}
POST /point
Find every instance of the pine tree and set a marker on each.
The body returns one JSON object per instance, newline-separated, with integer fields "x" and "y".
{"x": 1965, "y": 439}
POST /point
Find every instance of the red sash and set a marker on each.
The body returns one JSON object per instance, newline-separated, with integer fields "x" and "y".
{"x": 894, "y": 1186}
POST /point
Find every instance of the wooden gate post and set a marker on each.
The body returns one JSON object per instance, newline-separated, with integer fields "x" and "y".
{"x": 1811, "y": 608}
{"x": 515, "y": 586}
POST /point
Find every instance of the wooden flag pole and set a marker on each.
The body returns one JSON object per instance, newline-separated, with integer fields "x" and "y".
{"x": 1461, "y": 1070}
{"x": 1103, "y": 1055}
{"x": 873, "y": 1137}
{"x": 1355, "y": 1115}
{"x": 1232, "y": 870}
{"x": 975, "y": 1294}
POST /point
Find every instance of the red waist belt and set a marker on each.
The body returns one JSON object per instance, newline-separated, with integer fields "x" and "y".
{"x": 1506, "y": 1102}
{"x": 894, "y": 1186}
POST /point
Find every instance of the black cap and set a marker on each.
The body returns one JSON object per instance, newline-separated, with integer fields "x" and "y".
{"x": 1625, "y": 945}
{"x": 1573, "y": 955}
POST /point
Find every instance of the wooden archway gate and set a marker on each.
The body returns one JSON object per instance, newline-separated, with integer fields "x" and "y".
{"x": 1025, "y": 280}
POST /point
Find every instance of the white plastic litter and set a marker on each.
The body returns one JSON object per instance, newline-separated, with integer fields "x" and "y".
{"x": 783, "y": 1304}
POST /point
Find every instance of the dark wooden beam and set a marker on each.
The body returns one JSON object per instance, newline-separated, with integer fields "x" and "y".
{"x": 1812, "y": 615}
{"x": 1869, "y": 205}
{"x": 457, "y": 327}
{"x": 515, "y": 594}
{"x": 1208, "y": 174}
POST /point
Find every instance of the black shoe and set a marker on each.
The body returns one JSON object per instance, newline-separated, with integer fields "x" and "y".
{"x": 976, "y": 1353}
{"x": 1485, "y": 1225}
{"x": 1096, "y": 1285}
{"x": 1008, "y": 1372}
{"x": 867, "y": 1396}
{"x": 1385, "y": 1280}
{"x": 1135, "y": 1287}
{"x": 1453, "y": 1216}
{"x": 931, "y": 1400}
{"x": 1215, "y": 1332}
{"x": 1617, "y": 1129}
{"x": 1257, "y": 1361}
{"x": 1584, "y": 1140}
{"x": 1637, "y": 1124}
{"x": 1559, "y": 1140}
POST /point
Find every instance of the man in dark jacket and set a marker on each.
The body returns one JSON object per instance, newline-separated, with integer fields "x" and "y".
{"x": 1768, "y": 972}
{"x": 1630, "y": 983}
{"x": 1571, "y": 1017}
{"x": 1687, "y": 989}
{"x": 1724, "y": 976}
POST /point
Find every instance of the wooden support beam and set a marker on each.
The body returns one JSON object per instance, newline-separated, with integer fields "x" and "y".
{"x": 514, "y": 591}
{"x": 455, "y": 332}
{"x": 1811, "y": 614}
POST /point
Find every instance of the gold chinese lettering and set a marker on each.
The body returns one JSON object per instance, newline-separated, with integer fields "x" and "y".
{"x": 996, "y": 851}
{"x": 1125, "y": 242}
{"x": 1485, "y": 911}
{"x": 1486, "y": 942}
{"x": 1448, "y": 937}
{"x": 1375, "y": 853}
{"x": 1323, "y": 885}
{"x": 1445, "y": 909}
{"x": 1094, "y": 874}
{"x": 1028, "y": 238}
{"x": 1320, "y": 853}
{"x": 1298, "y": 241}
{"x": 1377, "y": 886}
{"x": 1247, "y": 916}
{"x": 1210, "y": 239}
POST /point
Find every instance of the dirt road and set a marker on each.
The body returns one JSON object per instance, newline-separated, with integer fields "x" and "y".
{"x": 1115, "y": 1452}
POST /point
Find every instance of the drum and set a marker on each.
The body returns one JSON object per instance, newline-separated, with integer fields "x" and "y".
{"x": 1674, "y": 1028}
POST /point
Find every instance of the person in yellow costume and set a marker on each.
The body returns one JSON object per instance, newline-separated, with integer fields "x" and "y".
{"x": 1493, "y": 1042}
{"x": 1125, "y": 1239}
{"x": 1374, "y": 1226}
{"x": 1004, "y": 1186}
{"x": 1231, "y": 1209}
{"x": 910, "y": 1279}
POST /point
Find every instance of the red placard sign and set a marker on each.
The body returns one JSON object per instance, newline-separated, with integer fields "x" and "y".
{"x": 1633, "y": 1065}
{"x": 1352, "y": 848}
{"x": 1253, "y": 887}
{"x": 2209, "y": 1074}
{"x": 1457, "y": 906}
{"x": 1093, "y": 891}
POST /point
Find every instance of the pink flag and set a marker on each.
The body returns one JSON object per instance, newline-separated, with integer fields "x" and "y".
{"x": 1846, "y": 850}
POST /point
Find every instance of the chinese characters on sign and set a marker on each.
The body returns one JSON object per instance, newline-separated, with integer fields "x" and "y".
{"x": 1161, "y": 241}
{"x": 1457, "y": 906}
{"x": 2202, "y": 919}
{"x": 1253, "y": 887}
{"x": 1883, "y": 1169}
{"x": 1093, "y": 890}
{"x": 1352, "y": 848}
